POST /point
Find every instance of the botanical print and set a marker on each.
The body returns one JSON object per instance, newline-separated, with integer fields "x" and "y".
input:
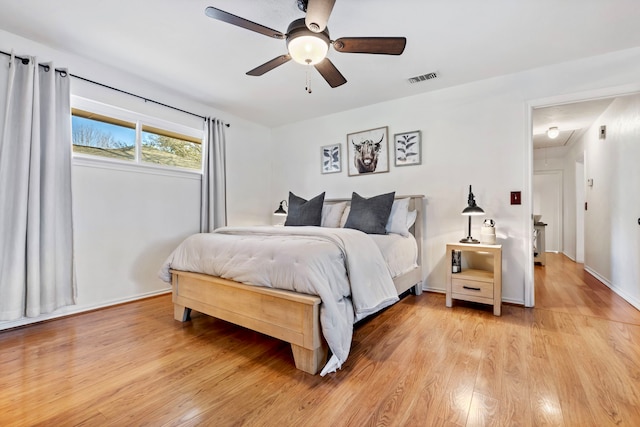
{"x": 407, "y": 148}
{"x": 368, "y": 151}
{"x": 331, "y": 161}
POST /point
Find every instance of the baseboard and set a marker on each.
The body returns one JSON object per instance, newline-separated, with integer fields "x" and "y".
{"x": 77, "y": 309}
{"x": 628, "y": 298}
{"x": 436, "y": 290}
{"x": 598, "y": 276}
{"x": 513, "y": 301}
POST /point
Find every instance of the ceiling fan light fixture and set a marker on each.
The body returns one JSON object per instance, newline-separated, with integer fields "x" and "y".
{"x": 553, "y": 132}
{"x": 307, "y": 49}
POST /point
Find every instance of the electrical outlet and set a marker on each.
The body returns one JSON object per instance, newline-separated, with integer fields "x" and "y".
{"x": 515, "y": 198}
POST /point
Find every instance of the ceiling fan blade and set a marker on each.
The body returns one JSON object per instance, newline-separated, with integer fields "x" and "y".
{"x": 377, "y": 45}
{"x": 269, "y": 65}
{"x": 330, "y": 73}
{"x": 229, "y": 18}
{"x": 318, "y": 12}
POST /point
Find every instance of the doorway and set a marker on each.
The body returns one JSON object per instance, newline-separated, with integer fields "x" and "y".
{"x": 547, "y": 202}
{"x": 597, "y": 222}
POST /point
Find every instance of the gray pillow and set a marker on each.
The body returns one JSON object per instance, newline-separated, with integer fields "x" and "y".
{"x": 370, "y": 215}
{"x": 304, "y": 212}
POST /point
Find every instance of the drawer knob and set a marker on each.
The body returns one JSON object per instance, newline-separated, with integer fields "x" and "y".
{"x": 471, "y": 288}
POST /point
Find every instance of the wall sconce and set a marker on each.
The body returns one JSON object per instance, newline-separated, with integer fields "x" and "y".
{"x": 471, "y": 210}
{"x": 280, "y": 211}
{"x": 553, "y": 132}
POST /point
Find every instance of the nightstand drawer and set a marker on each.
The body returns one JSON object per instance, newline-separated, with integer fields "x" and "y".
{"x": 472, "y": 287}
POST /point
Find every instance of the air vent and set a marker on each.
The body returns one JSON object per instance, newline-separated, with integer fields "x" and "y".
{"x": 424, "y": 77}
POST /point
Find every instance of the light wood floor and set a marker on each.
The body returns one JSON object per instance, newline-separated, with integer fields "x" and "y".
{"x": 417, "y": 363}
{"x": 564, "y": 286}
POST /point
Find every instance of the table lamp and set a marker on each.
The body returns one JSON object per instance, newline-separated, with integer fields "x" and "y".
{"x": 280, "y": 211}
{"x": 471, "y": 210}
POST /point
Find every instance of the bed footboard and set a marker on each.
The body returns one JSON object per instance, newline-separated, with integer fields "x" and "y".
{"x": 289, "y": 316}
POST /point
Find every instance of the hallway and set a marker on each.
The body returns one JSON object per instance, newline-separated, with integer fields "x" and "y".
{"x": 564, "y": 286}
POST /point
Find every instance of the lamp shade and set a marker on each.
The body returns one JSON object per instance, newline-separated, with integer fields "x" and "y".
{"x": 473, "y": 210}
{"x": 305, "y": 46}
{"x": 553, "y": 132}
{"x": 308, "y": 49}
{"x": 280, "y": 210}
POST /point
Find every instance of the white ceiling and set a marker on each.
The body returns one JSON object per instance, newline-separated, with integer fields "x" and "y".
{"x": 572, "y": 120}
{"x": 173, "y": 43}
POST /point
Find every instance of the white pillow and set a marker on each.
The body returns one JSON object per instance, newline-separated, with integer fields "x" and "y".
{"x": 398, "y": 219}
{"x": 411, "y": 218}
{"x": 345, "y": 215}
{"x": 332, "y": 214}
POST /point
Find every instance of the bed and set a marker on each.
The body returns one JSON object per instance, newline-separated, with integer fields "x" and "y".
{"x": 288, "y": 314}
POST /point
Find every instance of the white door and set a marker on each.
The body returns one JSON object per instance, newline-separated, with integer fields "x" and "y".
{"x": 580, "y": 200}
{"x": 547, "y": 201}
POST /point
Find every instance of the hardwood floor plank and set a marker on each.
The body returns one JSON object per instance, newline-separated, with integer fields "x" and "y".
{"x": 545, "y": 405}
{"x": 483, "y": 411}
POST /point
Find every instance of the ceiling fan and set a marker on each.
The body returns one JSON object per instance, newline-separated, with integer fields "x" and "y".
{"x": 308, "y": 40}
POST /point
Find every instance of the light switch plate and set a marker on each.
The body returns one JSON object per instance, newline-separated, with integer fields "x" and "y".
{"x": 515, "y": 198}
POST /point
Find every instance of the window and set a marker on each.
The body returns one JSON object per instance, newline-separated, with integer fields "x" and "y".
{"x": 170, "y": 148}
{"x": 103, "y": 131}
{"x": 99, "y": 135}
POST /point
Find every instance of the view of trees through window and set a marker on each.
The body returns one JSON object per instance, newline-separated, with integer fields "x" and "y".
{"x": 101, "y": 138}
{"x": 165, "y": 148}
{"x": 104, "y": 136}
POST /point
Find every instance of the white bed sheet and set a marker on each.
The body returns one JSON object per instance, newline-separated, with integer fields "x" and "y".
{"x": 399, "y": 252}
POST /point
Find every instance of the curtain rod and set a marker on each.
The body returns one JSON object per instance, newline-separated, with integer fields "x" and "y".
{"x": 113, "y": 88}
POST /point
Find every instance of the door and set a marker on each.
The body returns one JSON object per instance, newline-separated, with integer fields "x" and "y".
{"x": 580, "y": 200}
{"x": 547, "y": 201}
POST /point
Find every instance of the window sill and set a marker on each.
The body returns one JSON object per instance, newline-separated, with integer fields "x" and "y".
{"x": 93, "y": 162}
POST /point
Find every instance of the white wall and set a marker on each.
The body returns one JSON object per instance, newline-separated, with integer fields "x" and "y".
{"x": 472, "y": 134}
{"x": 612, "y": 243}
{"x": 126, "y": 220}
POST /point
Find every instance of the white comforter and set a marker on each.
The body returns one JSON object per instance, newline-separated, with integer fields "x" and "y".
{"x": 342, "y": 266}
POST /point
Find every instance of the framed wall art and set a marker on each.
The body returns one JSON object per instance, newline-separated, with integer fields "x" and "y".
{"x": 368, "y": 151}
{"x": 407, "y": 148}
{"x": 331, "y": 158}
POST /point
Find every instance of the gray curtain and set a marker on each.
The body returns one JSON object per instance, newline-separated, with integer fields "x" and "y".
{"x": 36, "y": 238}
{"x": 213, "y": 204}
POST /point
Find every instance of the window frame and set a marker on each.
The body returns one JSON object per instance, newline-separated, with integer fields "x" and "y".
{"x": 140, "y": 120}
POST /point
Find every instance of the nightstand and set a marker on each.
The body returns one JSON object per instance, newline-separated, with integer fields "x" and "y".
{"x": 482, "y": 285}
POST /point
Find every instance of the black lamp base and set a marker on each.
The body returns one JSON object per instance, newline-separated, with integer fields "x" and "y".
{"x": 469, "y": 240}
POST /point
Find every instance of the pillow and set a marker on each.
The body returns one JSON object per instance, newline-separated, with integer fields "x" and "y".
{"x": 370, "y": 215}
{"x": 345, "y": 215}
{"x": 411, "y": 218}
{"x": 304, "y": 212}
{"x": 332, "y": 214}
{"x": 398, "y": 218}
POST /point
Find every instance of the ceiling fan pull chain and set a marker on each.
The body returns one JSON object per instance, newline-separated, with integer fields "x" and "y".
{"x": 308, "y": 86}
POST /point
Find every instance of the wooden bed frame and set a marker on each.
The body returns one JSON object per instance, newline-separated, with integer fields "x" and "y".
{"x": 290, "y": 316}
